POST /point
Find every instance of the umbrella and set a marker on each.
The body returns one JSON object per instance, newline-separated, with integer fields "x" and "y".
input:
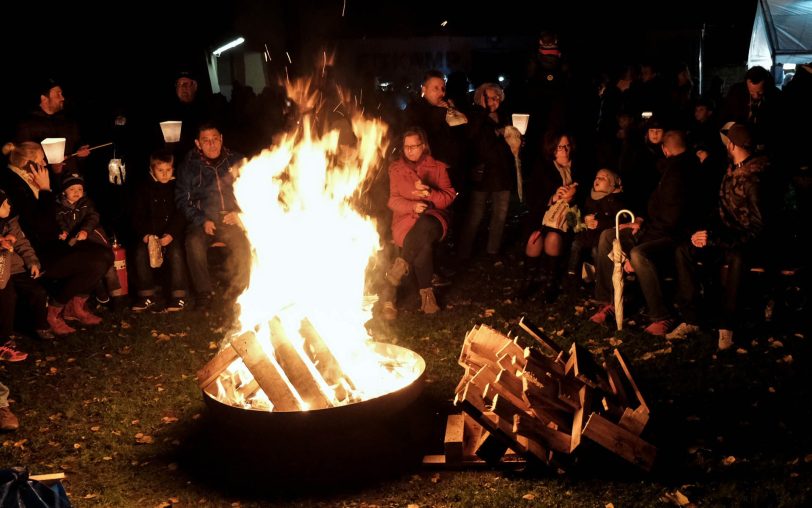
{"x": 618, "y": 257}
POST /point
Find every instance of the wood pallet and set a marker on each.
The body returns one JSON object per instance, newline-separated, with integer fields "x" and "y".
{"x": 539, "y": 403}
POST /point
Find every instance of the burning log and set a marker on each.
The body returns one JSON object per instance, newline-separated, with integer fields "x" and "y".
{"x": 266, "y": 372}
{"x": 324, "y": 361}
{"x": 540, "y": 405}
{"x": 295, "y": 368}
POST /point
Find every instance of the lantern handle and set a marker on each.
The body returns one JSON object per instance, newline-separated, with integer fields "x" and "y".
{"x": 617, "y": 220}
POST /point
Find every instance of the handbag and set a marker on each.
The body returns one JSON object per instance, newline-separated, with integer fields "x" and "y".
{"x": 556, "y": 216}
{"x": 156, "y": 253}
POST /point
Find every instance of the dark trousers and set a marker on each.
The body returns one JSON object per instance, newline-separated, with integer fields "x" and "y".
{"x": 77, "y": 270}
{"x": 645, "y": 258}
{"x": 476, "y": 211}
{"x": 238, "y": 262}
{"x": 418, "y": 248}
{"x": 174, "y": 257}
{"x": 22, "y": 285}
{"x": 713, "y": 259}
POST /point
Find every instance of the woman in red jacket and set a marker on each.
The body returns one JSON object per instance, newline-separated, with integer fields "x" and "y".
{"x": 420, "y": 193}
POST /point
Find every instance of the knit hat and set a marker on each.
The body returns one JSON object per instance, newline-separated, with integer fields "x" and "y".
{"x": 45, "y": 85}
{"x": 737, "y": 133}
{"x": 72, "y": 178}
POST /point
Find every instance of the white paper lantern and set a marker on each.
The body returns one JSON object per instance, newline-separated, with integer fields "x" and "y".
{"x": 171, "y": 131}
{"x": 54, "y": 149}
{"x": 520, "y": 121}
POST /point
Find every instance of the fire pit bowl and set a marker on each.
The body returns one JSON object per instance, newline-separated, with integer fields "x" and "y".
{"x": 325, "y": 444}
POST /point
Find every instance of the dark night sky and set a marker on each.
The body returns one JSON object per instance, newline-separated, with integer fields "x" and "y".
{"x": 104, "y": 54}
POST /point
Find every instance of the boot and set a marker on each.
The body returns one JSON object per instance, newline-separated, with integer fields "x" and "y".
{"x": 397, "y": 271}
{"x": 75, "y": 310}
{"x": 428, "y": 304}
{"x": 551, "y": 278}
{"x": 58, "y": 324}
{"x": 530, "y": 283}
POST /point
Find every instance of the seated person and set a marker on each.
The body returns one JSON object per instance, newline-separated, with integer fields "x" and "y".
{"x": 420, "y": 193}
{"x": 600, "y": 208}
{"x": 155, "y": 217}
{"x": 79, "y": 222}
{"x": 75, "y": 270}
{"x": 205, "y": 196}
{"x": 19, "y": 267}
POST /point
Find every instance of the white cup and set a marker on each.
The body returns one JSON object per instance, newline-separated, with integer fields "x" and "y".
{"x": 54, "y": 149}
{"x": 520, "y": 121}
{"x": 171, "y": 131}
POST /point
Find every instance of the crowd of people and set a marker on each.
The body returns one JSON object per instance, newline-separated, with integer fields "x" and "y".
{"x": 707, "y": 179}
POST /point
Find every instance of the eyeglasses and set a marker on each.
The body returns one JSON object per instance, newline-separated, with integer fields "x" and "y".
{"x": 563, "y": 147}
{"x": 211, "y": 141}
{"x": 412, "y": 147}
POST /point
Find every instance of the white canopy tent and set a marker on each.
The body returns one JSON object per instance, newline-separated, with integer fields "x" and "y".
{"x": 782, "y": 33}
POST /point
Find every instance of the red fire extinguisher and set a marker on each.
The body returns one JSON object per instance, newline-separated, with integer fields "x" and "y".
{"x": 120, "y": 265}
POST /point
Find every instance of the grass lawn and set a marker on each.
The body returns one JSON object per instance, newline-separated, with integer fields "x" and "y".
{"x": 118, "y": 410}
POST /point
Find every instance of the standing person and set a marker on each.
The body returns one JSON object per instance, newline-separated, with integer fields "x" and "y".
{"x": 49, "y": 121}
{"x": 79, "y": 268}
{"x": 205, "y": 195}
{"x": 8, "y": 420}
{"x": 494, "y": 171}
{"x": 19, "y": 267}
{"x": 420, "y": 193}
{"x": 155, "y": 218}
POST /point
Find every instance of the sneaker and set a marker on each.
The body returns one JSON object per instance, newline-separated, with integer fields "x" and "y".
{"x": 725, "y": 339}
{"x": 10, "y": 353}
{"x": 144, "y": 303}
{"x": 7, "y": 419}
{"x": 176, "y": 305}
{"x": 659, "y": 328}
{"x": 604, "y": 312}
{"x": 682, "y": 331}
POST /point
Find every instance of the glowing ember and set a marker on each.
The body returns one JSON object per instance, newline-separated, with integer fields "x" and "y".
{"x": 305, "y": 304}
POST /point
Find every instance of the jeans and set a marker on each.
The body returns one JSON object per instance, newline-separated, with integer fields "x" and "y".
{"x": 418, "y": 248}
{"x": 476, "y": 211}
{"x": 34, "y": 294}
{"x": 238, "y": 262}
{"x": 174, "y": 256}
{"x": 644, "y": 257}
{"x": 78, "y": 269}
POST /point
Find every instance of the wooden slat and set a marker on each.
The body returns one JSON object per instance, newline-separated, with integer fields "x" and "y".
{"x": 620, "y": 441}
{"x": 510, "y": 381}
{"x": 266, "y": 372}
{"x": 454, "y": 435}
{"x": 578, "y": 420}
{"x": 530, "y": 427}
{"x": 296, "y": 370}
{"x": 215, "y": 366}
{"x": 634, "y": 421}
{"x": 540, "y": 336}
{"x": 624, "y": 365}
{"x": 471, "y": 434}
{"x": 323, "y": 359}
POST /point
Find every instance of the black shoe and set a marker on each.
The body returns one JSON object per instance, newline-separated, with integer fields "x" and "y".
{"x": 176, "y": 305}
{"x": 144, "y": 303}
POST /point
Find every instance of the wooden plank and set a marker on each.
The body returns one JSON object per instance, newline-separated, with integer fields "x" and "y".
{"x": 471, "y": 434}
{"x": 249, "y": 388}
{"x": 578, "y": 420}
{"x": 491, "y": 448}
{"x": 616, "y": 384}
{"x": 624, "y": 365}
{"x": 48, "y": 478}
{"x": 541, "y": 365}
{"x": 325, "y": 362}
{"x": 453, "y": 442}
{"x": 510, "y": 382}
{"x": 267, "y": 373}
{"x": 492, "y": 390}
{"x": 540, "y": 336}
{"x": 508, "y": 461}
{"x": 532, "y": 428}
{"x": 634, "y": 421}
{"x": 620, "y": 441}
{"x": 218, "y": 363}
{"x": 295, "y": 368}
{"x": 587, "y": 369}
{"x": 511, "y": 349}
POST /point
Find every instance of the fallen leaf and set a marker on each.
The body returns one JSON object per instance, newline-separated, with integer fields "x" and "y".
{"x": 95, "y": 428}
{"x": 90, "y": 496}
{"x": 125, "y": 324}
{"x": 529, "y": 497}
{"x": 682, "y": 499}
{"x": 163, "y": 504}
{"x": 413, "y": 506}
{"x": 76, "y": 446}
{"x": 609, "y": 505}
{"x": 144, "y": 438}
{"x": 172, "y": 467}
{"x": 729, "y": 460}
{"x": 559, "y": 332}
{"x": 615, "y": 342}
{"x": 162, "y": 337}
{"x": 799, "y": 335}
{"x": 212, "y": 345}
{"x": 175, "y": 500}
{"x": 771, "y": 389}
{"x": 50, "y": 358}
{"x": 777, "y": 343}
{"x": 107, "y": 457}
{"x": 168, "y": 419}
{"x": 435, "y": 478}
{"x": 135, "y": 422}
{"x": 579, "y": 309}
{"x": 787, "y": 359}
{"x": 488, "y": 313}
{"x": 741, "y": 351}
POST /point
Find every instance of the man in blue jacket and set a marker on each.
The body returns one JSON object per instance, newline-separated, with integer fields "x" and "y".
{"x": 205, "y": 196}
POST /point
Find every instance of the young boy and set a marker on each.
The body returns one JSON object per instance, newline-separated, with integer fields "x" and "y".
{"x": 17, "y": 255}
{"x": 79, "y": 221}
{"x": 155, "y": 215}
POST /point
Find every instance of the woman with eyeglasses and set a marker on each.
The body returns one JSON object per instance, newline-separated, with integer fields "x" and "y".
{"x": 420, "y": 193}
{"x": 553, "y": 189}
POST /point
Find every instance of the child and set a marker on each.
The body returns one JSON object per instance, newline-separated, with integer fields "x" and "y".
{"x": 17, "y": 255}
{"x": 79, "y": 221}
{"x": 155, "y": 215}
{"x": 600, "y": 208}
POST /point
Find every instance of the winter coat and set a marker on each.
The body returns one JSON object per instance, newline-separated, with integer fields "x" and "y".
{"x": 402, "y": 176}
{"x": 37, "y": 216}
{"x": 23, "y": 257}
{"x": 205, "y": 188}
{"x": 40, "y": 125}
{"x": 154, "y": 211}
{"x": 494, "y": 167}
{"x": 605, "y": 210}
{"x": 669, "y": 214}
{"x": 742, "y": 203}
{"x": 80, "y": 216}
